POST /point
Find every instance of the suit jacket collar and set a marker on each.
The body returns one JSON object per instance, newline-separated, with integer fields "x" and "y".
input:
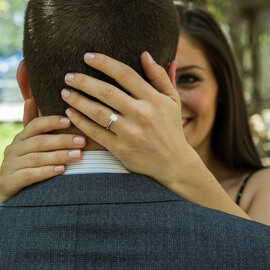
{"x": 92, "y": 189}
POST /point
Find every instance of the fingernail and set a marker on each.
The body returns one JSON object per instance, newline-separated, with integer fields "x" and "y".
{"x": 89, "y": 56}
{"x": 65, "y": 121}
{"x": 74, "y": 154}
{"x": 69, "y": 112}
{"x": 150, "y": 57}
{"x": 69, "y": 77}
{"x": 65, "y": 93}
{"x": 59, "y": 169}
{"x": 79, "y": 140}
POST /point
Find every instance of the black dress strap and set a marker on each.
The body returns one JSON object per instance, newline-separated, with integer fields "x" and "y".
{"x": 240, "y": 192}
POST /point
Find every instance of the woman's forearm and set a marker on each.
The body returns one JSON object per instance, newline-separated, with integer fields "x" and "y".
{"x": 198, "y": 185}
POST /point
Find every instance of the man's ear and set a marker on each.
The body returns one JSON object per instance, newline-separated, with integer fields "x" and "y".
{"x": 30, "y": 107}
{"x": 23, "y": 81}
{"x": 171, "y": 70}
{"x": 30, "y": 111}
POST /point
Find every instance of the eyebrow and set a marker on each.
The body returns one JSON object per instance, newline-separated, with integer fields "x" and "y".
{"x": 184, "y": 68}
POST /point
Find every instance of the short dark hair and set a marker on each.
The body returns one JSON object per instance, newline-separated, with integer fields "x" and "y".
{"x": 231, "y": 137}
{"x": 57, "y": 33}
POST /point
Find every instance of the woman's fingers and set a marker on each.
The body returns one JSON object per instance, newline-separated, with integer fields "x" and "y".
{"x": 91, "y": 129}
{"x": 94, "y": 110}
{"x": 47, "y": 142}
{"x": 28, "y": 176}
{"x": 160, "y": 78}
{"x": 10, "y": 185}
{"x": 43, "y": 125}
{"x": 41, "y": 159}
{"x": 120, "y": 72}
{"x": 105, "y": 92}
{"x": 127, "y": 78}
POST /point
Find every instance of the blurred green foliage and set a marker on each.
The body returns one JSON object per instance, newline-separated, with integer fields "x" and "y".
{"x": 11, "y": 21}
{"x": 216, "y": 7}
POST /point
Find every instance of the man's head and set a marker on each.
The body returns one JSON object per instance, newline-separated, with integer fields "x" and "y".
{"x": 58, "y": 33}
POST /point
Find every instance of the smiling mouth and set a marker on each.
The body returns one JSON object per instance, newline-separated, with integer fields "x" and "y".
{"x": 186, "y": 121}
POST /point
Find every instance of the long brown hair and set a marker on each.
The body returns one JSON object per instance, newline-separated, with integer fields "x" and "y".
{"x": 231, "y": 137}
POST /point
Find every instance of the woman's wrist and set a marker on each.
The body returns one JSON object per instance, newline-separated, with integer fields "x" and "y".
{"x": 182, "y": 167}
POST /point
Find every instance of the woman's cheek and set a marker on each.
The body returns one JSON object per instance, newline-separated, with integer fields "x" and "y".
{"x": 193, "y": 100}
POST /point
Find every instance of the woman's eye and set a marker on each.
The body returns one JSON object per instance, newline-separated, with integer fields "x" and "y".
{"x": 187, "y": 79}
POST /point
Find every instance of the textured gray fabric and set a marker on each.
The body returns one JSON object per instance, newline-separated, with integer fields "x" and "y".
{"x": 116, "y": 221}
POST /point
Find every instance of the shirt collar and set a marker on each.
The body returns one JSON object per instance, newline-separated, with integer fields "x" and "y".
{"x": 96, "y": 162}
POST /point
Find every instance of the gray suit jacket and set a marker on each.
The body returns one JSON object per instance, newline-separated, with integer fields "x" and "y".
{"x": 116, "y": 221}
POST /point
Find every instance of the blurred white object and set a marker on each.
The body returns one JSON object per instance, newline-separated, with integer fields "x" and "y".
{"x": 266, "y": 162}
{"x": 266, "y": 120}
{"x": 258, "y": 125}
{"x": 11, "y": 112}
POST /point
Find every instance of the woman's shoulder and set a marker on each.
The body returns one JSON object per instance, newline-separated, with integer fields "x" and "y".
{"x": 257, "y": 184}
{"x": 256, "y": 199}
{"x": 259, "y": 181}
{"x": 261, "y": 178}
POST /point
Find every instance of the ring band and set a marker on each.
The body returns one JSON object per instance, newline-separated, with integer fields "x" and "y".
{"x": 113, "y": 118}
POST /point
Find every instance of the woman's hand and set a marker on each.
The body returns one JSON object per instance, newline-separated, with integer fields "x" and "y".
{"x": 148, "y": 136}
{"x": 34, "y": 156}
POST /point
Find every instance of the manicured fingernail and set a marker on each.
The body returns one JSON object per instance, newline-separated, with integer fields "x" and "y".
{"x": 150, "y": 57}
{"x": 69, "y": 77}
{"x": 69, "y": 112}
{"x": 89, "y": 56}
{"x": 65, "y": 121}
{"x": 79, "y": 140}
{"x": 65, "y": 93}
{"x": 74, "y": 154}
{"x": 59, "y": 169}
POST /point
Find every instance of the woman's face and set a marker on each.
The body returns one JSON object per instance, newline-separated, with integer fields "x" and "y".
{"x": 198, "y": 91}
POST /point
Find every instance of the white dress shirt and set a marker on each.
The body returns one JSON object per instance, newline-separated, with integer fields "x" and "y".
{"x": 96, "y": 162}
